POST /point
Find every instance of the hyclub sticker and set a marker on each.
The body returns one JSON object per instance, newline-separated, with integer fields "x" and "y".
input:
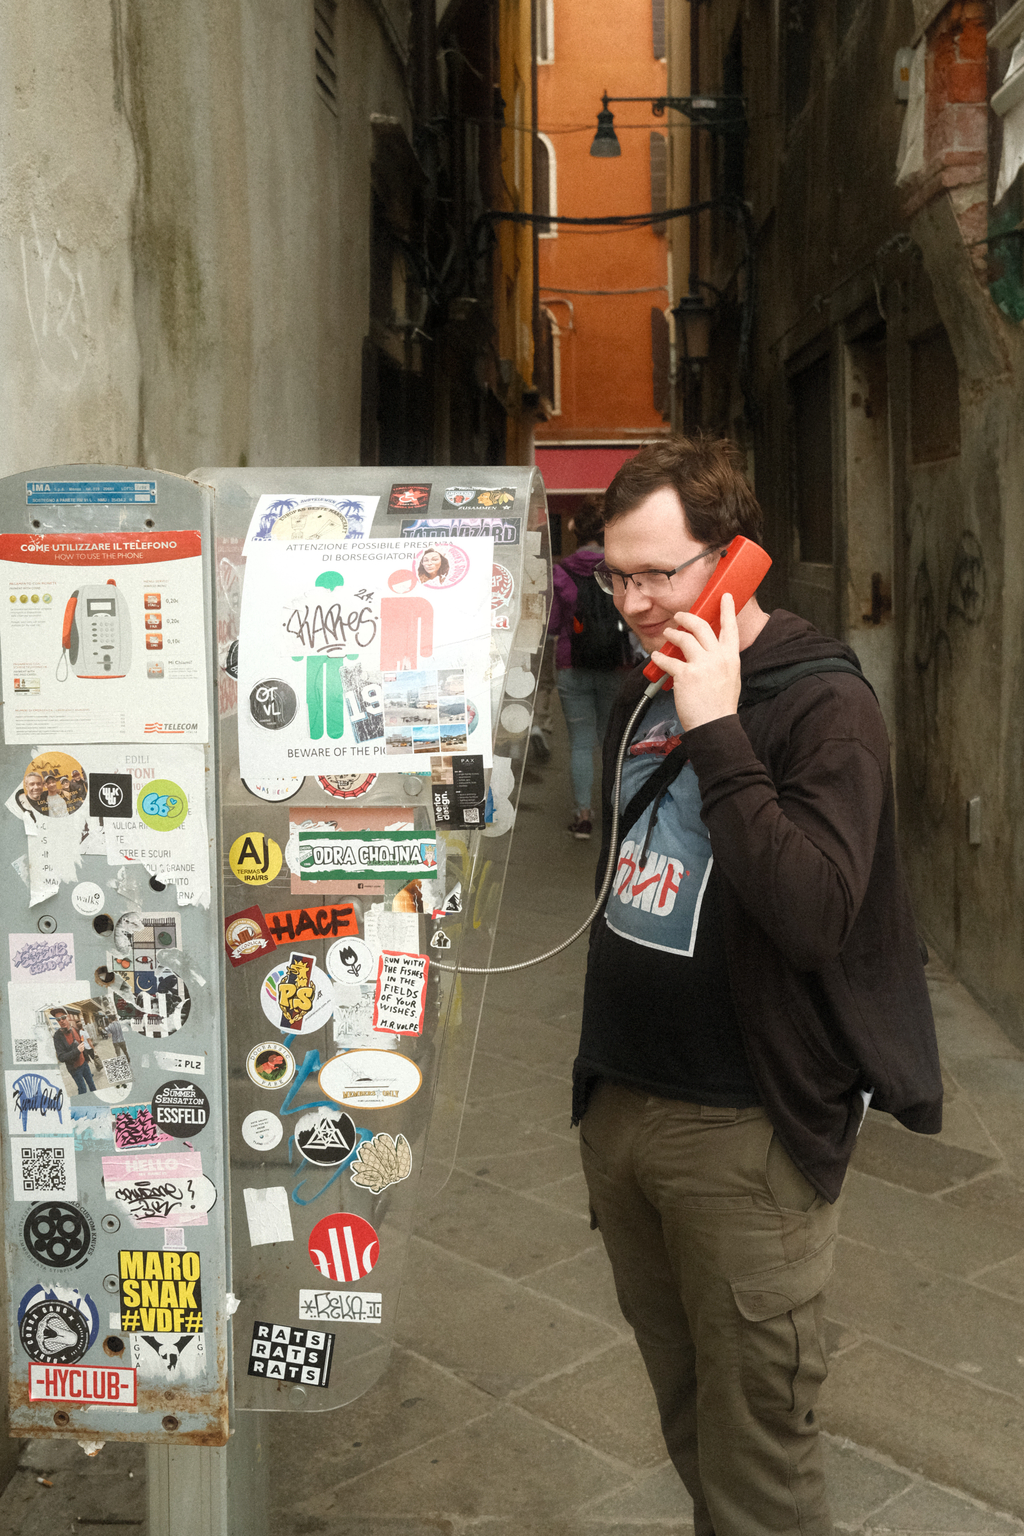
{"x": 55, "y": 1325}
{"x": 299, "y": 1355}
{"x": 59, "y": 1235}
{"x": 297, "y": 996}
{"x": 82, "y": 1385}
{"x": 270, "y": 1065}
{"x": 347, "y": 786}
{"x": 340, "y": 1306}
{"x": 87, "y": 898}
{"x": 110, "y": 794}
{"x": 272, "y": 704}
{"x": 350, "y": 961}
{"x": 274, "y": 790}
{"x": 160, "y": 1291}
{"x": 382, "y": 1160}
{"x": 180, "y": 1108}
{"x": 162, "y": 805}
{"x": 343, "y": 1247}
{"x": 262, "y": 1131}
{"x": 370, "y": 1079}
{"x": 254, "y": 858}
{"x": 246, "y": 936}
{"x": 326, "y": 1137}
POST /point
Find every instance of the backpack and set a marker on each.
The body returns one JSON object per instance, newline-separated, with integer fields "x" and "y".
{"x": 599, "y": 641}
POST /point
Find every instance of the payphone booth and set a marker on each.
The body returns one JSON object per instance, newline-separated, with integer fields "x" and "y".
{"x": 263, "y": 735}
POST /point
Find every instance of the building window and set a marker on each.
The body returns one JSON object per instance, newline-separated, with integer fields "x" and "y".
{"x": 549, "y": 371}
{"x": 934, "y": 399}
{"x": 323, "y": 52}
{"x": 660, "y": 363}
{"x": 658, "y": 27}
{"x": 545, "y": 31}
{"x": 811, "y": 397}
{"x": 659, "y": 178}
{"x": 545, "y": 184}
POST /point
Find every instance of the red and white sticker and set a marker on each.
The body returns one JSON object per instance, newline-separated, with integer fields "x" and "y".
{"x": 343, "y": 1247}
{"x": 112, "y": 1385}
{"x": 502, "y": 586}
{"x": 347, "y": 786}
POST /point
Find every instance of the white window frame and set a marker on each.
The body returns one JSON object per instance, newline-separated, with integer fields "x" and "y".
{"x": 552, "y": 208}
{"x": 547, "y": 9}
{"x": 556, "y": 361}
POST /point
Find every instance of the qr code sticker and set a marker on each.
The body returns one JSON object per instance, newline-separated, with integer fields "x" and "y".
{"x": 44, "y": 1170}
{"x": 471, "y": 815}
{"x": 26, "y": 1050}
{"x": 43, "y": 1166}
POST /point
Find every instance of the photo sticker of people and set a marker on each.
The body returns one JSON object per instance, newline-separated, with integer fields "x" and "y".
{"x": 441, "y": 565}
{"x": 54, "y": 786}
{"x": 89, "y": 1046}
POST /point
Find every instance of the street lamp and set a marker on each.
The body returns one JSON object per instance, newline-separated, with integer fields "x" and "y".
{"x": 722, "y": 114}
{"x": 693, "y": 329}
{"x": 606, "y": 145}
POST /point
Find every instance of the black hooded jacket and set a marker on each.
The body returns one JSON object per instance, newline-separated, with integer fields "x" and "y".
{"x": 823, "y": 957}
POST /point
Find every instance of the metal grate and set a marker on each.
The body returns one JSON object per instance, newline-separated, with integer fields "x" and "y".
{"x": 323, "y": 32}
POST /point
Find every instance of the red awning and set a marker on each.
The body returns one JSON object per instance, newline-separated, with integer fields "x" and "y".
{"x": 580, "y": 469}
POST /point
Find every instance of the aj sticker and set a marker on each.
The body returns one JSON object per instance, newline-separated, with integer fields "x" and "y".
{"x": 255, "y": 859}
{"x": 162, "y": 805}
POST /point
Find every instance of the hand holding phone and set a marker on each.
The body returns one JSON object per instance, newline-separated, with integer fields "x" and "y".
{"x": 740, "y": 571}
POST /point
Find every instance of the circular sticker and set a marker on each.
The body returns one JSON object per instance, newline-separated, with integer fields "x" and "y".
{"x": 370, "y": 1079}
{"x": 161, "y": 1004}
{"x": 58, "y": 1234}
{"x": 297, "y": 996}
{"x": 270, "y": 1065}
{"x": 54, "y": 1332}
{"x": 243, "y": 937}
{"x": 502, "y": 586}
{"x": 162, "y": 805}
{"x": 261, "y": 1130}
{"x": 86, "y": 899}
{"x": 347, "y": 786}
{"x": 230, "y": 662}
{"x": 440, "y": 566}
{"x": 326, "y": 1137}
{"x": 313, "y": 520}
{"x": 350, "y": 961}
{"x": 272, "y": 703}
{"x": 275, "y": 790}
{"x": 180, "y": 1108}
{"x": 254, "y": 858}
{"x": 54, "y": 785}
{"x": 343, "y": 1246}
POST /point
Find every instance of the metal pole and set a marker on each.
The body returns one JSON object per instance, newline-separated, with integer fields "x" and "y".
{"x": 197, "y": 1490}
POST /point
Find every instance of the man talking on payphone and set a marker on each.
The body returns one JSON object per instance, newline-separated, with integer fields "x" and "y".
{"x": 754, "y": 979}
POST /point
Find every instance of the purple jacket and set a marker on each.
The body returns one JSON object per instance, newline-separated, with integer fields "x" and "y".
{"x": 563, "y": 604}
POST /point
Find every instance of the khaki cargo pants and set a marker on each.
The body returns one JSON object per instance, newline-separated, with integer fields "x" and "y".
{"x": 720, "y": 1250}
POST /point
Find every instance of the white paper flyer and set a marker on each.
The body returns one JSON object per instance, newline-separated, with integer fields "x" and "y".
{"x": 102, "y": 636}
{"x": 363, "y": 654}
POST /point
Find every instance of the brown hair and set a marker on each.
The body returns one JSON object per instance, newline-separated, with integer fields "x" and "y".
{"x": 588, "y": 521}
{"x": 706, "y": 474}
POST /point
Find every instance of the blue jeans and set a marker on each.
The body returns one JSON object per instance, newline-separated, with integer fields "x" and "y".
{"x": 82, "y": 1078}
{"x": 587, "y": 699}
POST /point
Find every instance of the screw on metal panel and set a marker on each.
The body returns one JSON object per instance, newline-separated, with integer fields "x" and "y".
{"x": 170, "y": 1422}
{"x": 297, "y": 1396}
{"x": 110, "y": 1284}
{"x": 111, "y": 1224}
{"x": 61, "y": 1419}
{"x": 169, "y": 1397}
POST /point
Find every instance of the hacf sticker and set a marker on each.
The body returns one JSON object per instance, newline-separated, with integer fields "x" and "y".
{"x": 57, "y": 1325}
{"x": 246, "y": 936}
{"x": 297, "y": 996}
{"x": 340, "y": 1306}
{"x": 343, "y": 1246}
{"x": 160, "y": 1291}
{"x": 370, "y": 1079}
{"x": 270, "y": 1065}
{"x": 254, "y": 859}
{"x": 401, "y": 992}
{"x": 262, "y": 1131}
{"x": 299, "y": 1355}
{"x": 180, "y": 1108}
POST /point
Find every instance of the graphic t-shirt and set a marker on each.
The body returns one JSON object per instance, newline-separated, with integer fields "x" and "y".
{"x": 657, "y": 1012}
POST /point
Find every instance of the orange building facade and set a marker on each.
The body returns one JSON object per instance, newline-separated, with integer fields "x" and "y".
{"x": 604, "y": 292}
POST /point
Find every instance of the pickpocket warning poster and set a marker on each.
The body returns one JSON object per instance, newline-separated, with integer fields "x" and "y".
{"x": 363, "y": 654}
{"x": 102, "y": 637}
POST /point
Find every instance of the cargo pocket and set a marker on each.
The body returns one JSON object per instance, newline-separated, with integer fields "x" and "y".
{"x": 782, "y": 1354}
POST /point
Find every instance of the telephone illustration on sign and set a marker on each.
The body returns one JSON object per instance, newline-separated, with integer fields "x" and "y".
{"x": 97, "y": 639}
{"x": 740, "y": 571}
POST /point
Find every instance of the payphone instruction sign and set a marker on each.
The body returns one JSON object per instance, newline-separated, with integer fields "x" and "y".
{"x": 102, "y": 637}
{"x": 359, "y": 654}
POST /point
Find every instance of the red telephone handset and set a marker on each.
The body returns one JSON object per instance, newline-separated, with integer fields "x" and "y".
{"x": 740, "y": 571}
{"x": 69, "y": 619}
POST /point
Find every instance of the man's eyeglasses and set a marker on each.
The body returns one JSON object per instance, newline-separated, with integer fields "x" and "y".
{"x": 650, "y": 583}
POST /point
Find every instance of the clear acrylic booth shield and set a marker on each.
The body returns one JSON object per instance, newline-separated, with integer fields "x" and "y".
{"x": 379, "y": 638}
{"x": 115, "y": 1193}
